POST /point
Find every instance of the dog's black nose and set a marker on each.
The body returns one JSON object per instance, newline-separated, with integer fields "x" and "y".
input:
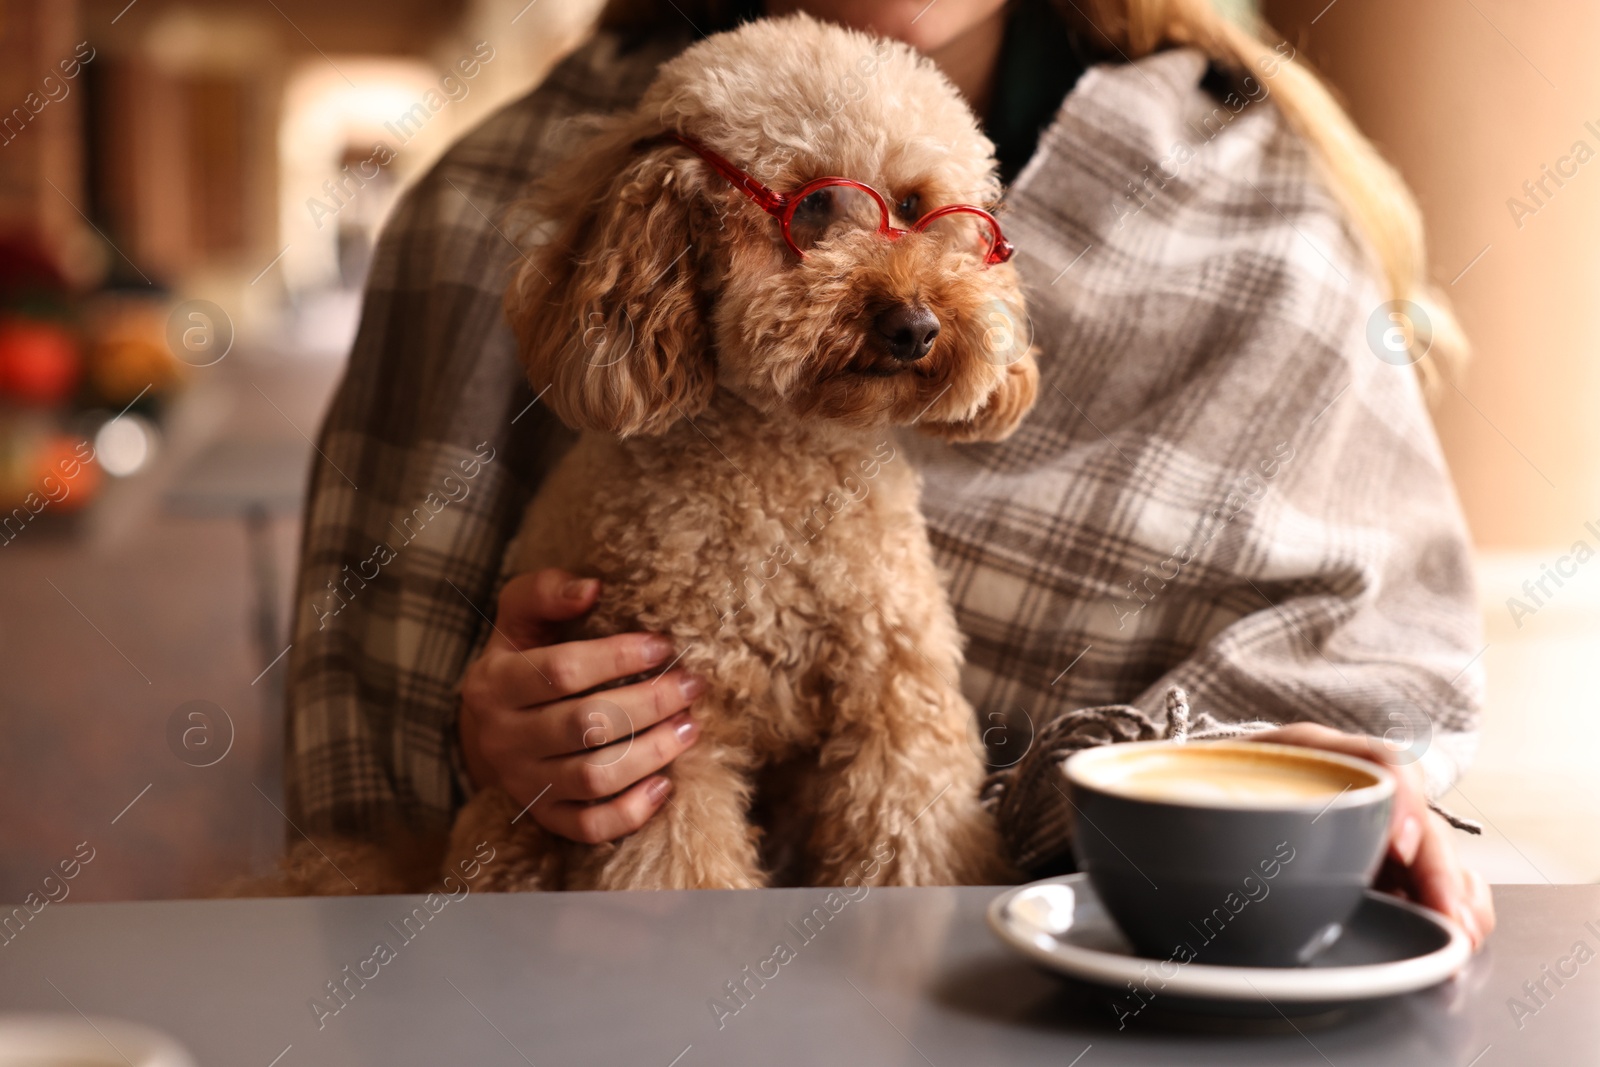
{"x": 908, "y": 331}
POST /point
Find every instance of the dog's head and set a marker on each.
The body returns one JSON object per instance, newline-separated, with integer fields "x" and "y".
{"x": 662, "y": 280}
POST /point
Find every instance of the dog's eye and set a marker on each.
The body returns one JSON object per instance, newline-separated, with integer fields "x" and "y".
{"x": 909, "y": 207}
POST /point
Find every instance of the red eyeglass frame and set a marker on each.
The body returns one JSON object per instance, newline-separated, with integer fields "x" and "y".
{"x": 781, "y": 206}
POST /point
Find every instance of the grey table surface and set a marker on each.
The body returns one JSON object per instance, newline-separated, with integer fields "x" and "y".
{"x": 899, "y": 976}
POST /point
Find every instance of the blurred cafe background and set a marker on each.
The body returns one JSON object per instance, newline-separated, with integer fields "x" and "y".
{"x": 189, "y": 195}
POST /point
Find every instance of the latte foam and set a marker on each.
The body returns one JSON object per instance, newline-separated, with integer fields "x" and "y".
{"x": 1224, "y": 778}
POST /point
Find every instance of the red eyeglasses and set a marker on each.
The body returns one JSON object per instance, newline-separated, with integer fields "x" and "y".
{"x": 828, "y": 205}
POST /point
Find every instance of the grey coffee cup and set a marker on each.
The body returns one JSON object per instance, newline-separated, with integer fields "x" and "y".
{"x": 1201, "y": 855}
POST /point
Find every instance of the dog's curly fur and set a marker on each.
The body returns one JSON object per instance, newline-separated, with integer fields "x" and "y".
{"x": 737, "y": 486}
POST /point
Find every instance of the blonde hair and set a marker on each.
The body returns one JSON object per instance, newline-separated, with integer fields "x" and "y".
{"x": 1371, "y": 193}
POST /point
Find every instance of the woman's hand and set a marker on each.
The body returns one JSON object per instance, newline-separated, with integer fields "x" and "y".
{"x": 1421, "y": 863}
{"x": 588, "y": 766}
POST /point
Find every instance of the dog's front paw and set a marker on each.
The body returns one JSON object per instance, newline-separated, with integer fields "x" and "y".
{"x": 952, "y": 841}
{"x": 963, "y": 848}
{"x": 670, "y": 852}
{"x": 495, "y": 851}
{"x": 700, "y": 838}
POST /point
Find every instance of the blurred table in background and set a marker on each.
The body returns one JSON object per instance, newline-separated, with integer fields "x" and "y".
{"x": 174, "y": 593}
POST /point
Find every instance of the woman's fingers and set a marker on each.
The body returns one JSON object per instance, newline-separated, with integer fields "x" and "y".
{"x": 530, "y": 602}
{"x": 527, "y": 745}
{"x": 527, "y": 678}
{"x": 1410, "y": 822}
{"x": 607, "y": 821}
{"x": 614, "y": 768}
{"x": 575, "y": 726}
{"x": 1408, "y": 819}
{"x": 1435, "y": 875}
{"x": 1422, "y": 856}
{"x": 1440, "y": 882}
{"x": 1480, "y": 902}
{"x": 587, "y": 768}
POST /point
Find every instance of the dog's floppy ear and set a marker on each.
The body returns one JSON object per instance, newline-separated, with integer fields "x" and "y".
{"x": 607, "y": 314}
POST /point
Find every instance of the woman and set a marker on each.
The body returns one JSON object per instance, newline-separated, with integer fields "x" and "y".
{"x": 1230, "y": 483}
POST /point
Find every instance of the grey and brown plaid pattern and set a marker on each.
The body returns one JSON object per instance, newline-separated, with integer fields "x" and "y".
{"x": 1221, "y": 487}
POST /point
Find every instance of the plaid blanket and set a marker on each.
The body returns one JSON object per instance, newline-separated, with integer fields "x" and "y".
{"x": 1222, "y": 486}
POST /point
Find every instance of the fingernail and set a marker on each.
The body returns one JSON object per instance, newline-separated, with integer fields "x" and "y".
{"x": 657, "y": 649}
{"x": 1468, "y": 923}
{"x": 691, "y": 686}
{"x": 658, "y": 790}
{"x": 580, "y": 588}
{"x": 686, "y": 730}
{"x": 1408, "y": 840}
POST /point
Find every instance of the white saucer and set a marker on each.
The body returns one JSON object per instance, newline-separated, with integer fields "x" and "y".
{"x": 40, "y": 1040}
{"x": 1388, "y": 947}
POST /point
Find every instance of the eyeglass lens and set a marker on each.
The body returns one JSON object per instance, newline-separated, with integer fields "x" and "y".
{"x": 964, "y": 232}
{"x": 835, "y": 208}
{"x": 830, "y": 210}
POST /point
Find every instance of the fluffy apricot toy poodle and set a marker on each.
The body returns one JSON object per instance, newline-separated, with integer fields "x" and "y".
{"x": 749, "y": 283}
